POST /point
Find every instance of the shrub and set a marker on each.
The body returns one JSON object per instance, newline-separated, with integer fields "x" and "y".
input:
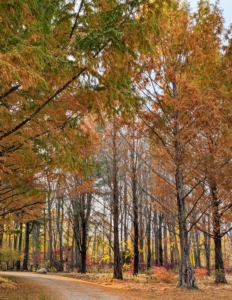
{"x": 126, "y": 267}
{"x": 9, "y": 256}
{"x": 160, "y": 274}
{"x": 200, "y": 272}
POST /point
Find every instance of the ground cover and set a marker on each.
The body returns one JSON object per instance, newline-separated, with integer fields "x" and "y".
{"x": 14, "y": 288}
{"x": 132, "y": 288}
{"x": 148, "y": 288}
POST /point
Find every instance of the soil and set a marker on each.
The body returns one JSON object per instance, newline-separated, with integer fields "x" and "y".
{"x": 30, "y": 286}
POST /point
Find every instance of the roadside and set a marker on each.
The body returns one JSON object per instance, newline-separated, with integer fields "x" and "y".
{"x": 16, "y": 288}
{"x": 75, "y": 286}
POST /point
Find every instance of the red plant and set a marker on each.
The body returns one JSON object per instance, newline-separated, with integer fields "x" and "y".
{"x": 162, "y": 275}
{"x": 200, "y": 272}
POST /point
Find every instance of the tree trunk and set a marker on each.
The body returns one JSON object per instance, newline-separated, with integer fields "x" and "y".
{"x": 165, "y": 244}
{"x": 149, "y": 238}
{"x": 110, "y": 240}
{"x": 141, "y": 234}
{"x": 1, "y": 234}
{"x": 50, "y": 229}
{"x": 81, "y": 213}
{"x": 17, "y": 264}
{"x": 198, "y": 252}
{"x": 125, "y": 214}
{"x": 186, "y": 273}
{"x": 219, "y": 265}
{"x": 26, "y": 249}
{"x": 83, "y": 250}
{"x": 156, "y": 233}
{"x": 207, "y": 248}
{"x": 135, "y": 212}
{"x": 160, "y": 238}
{"x": 59, "y": 231}
{"x": 117, "y": 260}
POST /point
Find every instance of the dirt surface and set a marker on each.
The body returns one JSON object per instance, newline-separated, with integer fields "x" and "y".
{"x": 61, "y": 288}
{"x": 54, "y": 287}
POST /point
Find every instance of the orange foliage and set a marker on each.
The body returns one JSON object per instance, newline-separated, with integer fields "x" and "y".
{"x": 200, "y": 273}
{"x": 162, "y": 275}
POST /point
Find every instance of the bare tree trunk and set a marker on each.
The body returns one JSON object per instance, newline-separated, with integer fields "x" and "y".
{"x": 26, "y": 249}
{"x": 171, "y": 241}
{"x": 19, "y": 245}
{"x": 110, "y": 239}
{"x": 125, "y": 214}
{"x": 1, "y": 234}
{"x": 49, "y": 229}
{"x": 135, "y": 212}
{"x": 156, "y": 233}
{"x": 207, "y": 248}
{"x": 160, "y": 238}
{"x": 148, "y": 229}
{"x": 117, "y": 260}
{"x": 219, "y": 265}
{"x": 81, "y": 213}
{"x": 141, "y": 233}
{"x": 198, "y": 252}
{"x": 85, "y": 214}
{"x": 165, "y": 244}
{"x": 59, "y": 231}
{"x": 186, "y": 273}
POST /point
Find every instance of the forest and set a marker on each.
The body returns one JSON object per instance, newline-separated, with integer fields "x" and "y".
{"x": 116, "y": 137}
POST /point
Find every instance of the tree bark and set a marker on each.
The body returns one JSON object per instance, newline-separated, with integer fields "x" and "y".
{"x": 1, "y": 234}
{"x": 135, "y": 225}
{"x": 81, "y": 218}
{"x": 17, "y": 264}
{"x": 148, "y": 229}
{"x": 219, "y": 265}
{"x": 160, "y": 238}
{"x": 186, "y": 273}
{"x": 117, "y": 259}
{"x": 26, "y": 248}
{"x": 135, "y": 211}
{"x": 165, "y": 244}
{"x": 156, "y": 232}
{"x": 50, "y": 229}
{"x": 207, "y": 248}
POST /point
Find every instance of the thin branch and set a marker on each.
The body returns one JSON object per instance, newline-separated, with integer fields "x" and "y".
{"x": 77, "y": 16}
{"x": 11, "y": 90}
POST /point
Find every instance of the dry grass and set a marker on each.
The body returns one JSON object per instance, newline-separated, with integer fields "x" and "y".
{"x": 13, "y": 288}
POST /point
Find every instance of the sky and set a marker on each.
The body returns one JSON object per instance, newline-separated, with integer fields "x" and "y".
{"x": 226, "y": 5}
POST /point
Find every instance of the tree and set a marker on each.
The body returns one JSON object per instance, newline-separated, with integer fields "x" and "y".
{"x": 81, "y": 201}
{"x": 171, "y": 116}
{"x": 52, "y": 77}
{"x": 181, "y": 81}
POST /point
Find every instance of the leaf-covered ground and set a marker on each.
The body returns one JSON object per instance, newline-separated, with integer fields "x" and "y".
{"x": 134, "y": 288}
{"x": 14, "y": 288}
{"x": 130, "y": 288}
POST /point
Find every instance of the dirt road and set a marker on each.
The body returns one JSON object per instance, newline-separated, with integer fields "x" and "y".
{"x": 67, "y": 288}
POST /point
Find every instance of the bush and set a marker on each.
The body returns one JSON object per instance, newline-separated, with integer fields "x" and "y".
{"x": 200, "y": 272}
{"x": 9, "y": 256}
{"x": 160, "y": 274}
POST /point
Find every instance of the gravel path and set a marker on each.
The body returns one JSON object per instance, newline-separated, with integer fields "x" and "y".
{"x": 67, "y": 288}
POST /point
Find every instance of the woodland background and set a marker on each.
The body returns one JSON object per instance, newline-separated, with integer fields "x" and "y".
{"x": 115, "y": 137}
